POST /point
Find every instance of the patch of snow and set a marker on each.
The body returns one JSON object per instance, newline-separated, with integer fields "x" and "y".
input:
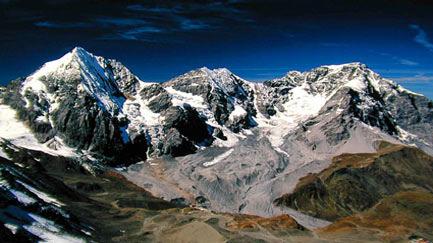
{"x": 357, "y": 84}
{"x": 405, "y": 135}
{"x": 42, "y": 119}
{"x": 121, "y": 168}
{"x": 34, "y": 81}
{"x": 86, "y": 232}
{"x": 48, "y": 231}
{"x": 238, "y": 112}
{"x": 42, "y": 195}
{"x": 14, "y": 228}
{"x": 140, "y": 115}
{"x": 20, "y": 135}
{"x": 376, "y": 81}
{"x": 401, "y": 89}
{"x": 218, "y": 159}
{"x": 178, "y": 98}
{"x": 22, "y": 197}
{"x": 4, "y": 155}
{"x": 301, "y": 106}
{"x": 152, "y": 163}
{"x": 97, "y": 81}
{"x": 279, "y": 150}
{"x": 247, "y": 132}
{"x": 338, "y": 67}
{"x": 141, "y": 118}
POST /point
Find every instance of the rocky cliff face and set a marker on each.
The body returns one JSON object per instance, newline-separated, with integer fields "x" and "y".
{"x": 228, "y": 97}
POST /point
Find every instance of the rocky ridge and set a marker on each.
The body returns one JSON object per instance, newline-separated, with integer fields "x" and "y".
{"x": 92, "y": 103}
{"x": 209, "y": 136}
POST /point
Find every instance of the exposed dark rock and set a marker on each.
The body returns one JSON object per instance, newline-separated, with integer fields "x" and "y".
{"x": 180, "y": 202}
{"x": 202, "y": 202}
{"x": 125, "y": 80}
{"x": 83, "y": 125}
{"x": 219, "y": 88}
{"x": 188, "y": 122}
{"x": 151, "y": 91}
{"x": 175, "y": 144}
{"x": 412, "y": 113}
{"x": 160, "y": 102}
{"x": 220, "y": 107}
{"x": 218, "y": 133}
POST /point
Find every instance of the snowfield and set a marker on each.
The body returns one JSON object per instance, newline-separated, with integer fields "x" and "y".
{"x": 218, "y": 158}
{"x": 20, "y": 135}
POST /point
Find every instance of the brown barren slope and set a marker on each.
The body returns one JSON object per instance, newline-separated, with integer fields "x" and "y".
{"x": 404, "y": 215}
{"x": 379, "y": 196}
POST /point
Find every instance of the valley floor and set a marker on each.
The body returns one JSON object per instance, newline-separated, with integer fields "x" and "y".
{"x": 114, "y": 210}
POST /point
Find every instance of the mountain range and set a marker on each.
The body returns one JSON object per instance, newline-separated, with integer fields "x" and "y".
{"x": 315, "y": 155}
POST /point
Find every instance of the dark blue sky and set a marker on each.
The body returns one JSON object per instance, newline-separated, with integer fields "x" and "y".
{"x": 257, "y": 40}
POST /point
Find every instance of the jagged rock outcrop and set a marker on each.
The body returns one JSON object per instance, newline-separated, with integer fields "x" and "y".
{"x": 224, "y": 93}
{"x": 187, "y": 121}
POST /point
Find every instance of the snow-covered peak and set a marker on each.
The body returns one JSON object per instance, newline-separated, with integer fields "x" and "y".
{"x": 77, "y": 54}
{"x": 225, "y": 101}
{"x": 81, "y": 50}
{"x": 329, "y": 78}
{"x": 218, "y": 74}
{"x": 69, "y": 64}
{"x": 293, "y": 73}
{"x": 340, "y": 66}
{"x": 340, "y": 69}
{"x": 299, "y": 96}
{"x": 47, "y": 69}
{"x": 204, "y": 69}
{"x": 220, "y": 79}
{"x": 216, "y": 71}
{"x": 322, "y": 71}
{"x": 81, "y": 69}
